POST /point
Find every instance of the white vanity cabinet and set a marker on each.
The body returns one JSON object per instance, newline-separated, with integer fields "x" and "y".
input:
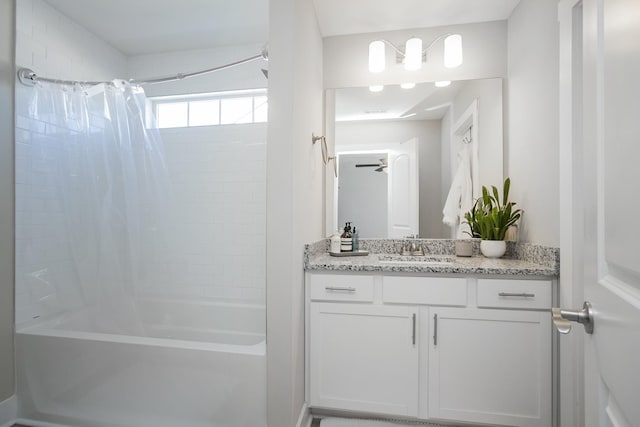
{"x": 493, "y": 365}
{"x": 490, "y": 366}
{"x": 362, "y": 357}
{"x": 468, "y": 349}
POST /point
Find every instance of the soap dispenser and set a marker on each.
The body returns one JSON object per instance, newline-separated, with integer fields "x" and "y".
{"x": 335, "y": 242}
{"x": 346, "y": 243}
{"x": 355, "y": 240}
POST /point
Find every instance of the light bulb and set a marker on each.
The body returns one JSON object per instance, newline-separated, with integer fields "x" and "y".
{"x": 413, "y": 54}
{"x": 407, "y": 85}
{"x": 376, "y": 56}
{"x": 443, "y": 83}
{"x": 376, "y": 88}
{"x": 453, "y": 51}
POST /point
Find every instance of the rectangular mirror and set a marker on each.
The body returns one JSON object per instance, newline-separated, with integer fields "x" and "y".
{"x": 398, "y": 151}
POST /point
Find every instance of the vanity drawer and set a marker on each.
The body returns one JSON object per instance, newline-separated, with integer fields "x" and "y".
{"x": 508, "y": 293}
{"x": 337, "y": 287}
{"x": 425, "y": 290}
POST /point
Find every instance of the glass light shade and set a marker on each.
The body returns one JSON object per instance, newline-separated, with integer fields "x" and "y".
{"x": 376, "y": 56}
{"x": 413, "y": 54}
{"x": 407, "y": 85}
{"x": 453, "y": 51}
{"x": 443, "y": 83}
{"x": 376, "y": 88}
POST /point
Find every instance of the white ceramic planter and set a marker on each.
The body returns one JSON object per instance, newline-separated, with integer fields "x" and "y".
{"x": 493, "y": 248}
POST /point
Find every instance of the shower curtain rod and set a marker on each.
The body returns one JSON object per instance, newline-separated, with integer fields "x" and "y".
{"x": 29, "y": 77}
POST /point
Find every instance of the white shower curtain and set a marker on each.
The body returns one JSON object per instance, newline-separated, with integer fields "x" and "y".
{"x": 96, "y": 185}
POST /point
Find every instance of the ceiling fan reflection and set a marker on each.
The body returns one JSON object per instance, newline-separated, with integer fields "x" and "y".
{"x": 379, "y": 166}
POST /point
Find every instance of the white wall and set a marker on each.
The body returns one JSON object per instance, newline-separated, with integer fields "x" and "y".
{"x": 217, "y": 172}
{"x": 488, "y": 92}
{"x": 54, "y": 46}
{"x": 380, "y": 133}
{"x": 217, "y": 177}
{"x": 6, "y": 198}
{"x": 484, "y": 44}
{"x": 246, "y": 76}
{"x": 294, "y": 195}
{"x": 531, "y": 151}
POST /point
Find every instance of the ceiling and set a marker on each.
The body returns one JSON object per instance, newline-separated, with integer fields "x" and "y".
{"x": 151, "y": 26}
{"x": 342, "y": 17}
{"x": 425, "y": 100}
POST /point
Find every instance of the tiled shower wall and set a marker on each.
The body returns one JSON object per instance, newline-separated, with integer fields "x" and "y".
{"x": 218, "y": 181}
{"x": 52, "y": 45}
{"x": 55, "y": 46}
{"x": 218, "y": 176}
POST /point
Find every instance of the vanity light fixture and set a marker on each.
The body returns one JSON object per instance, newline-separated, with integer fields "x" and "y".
{"x": 376, "y": 88}
{"x": 443, "y": 83}
{"x": 453, "y": 51}
{"x": 413, "y": 54}
{"x": 376, "y": 56}
{"x": 407, "y": 85}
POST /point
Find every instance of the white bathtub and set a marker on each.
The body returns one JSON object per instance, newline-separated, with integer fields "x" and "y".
{"x": 149, "y": 363}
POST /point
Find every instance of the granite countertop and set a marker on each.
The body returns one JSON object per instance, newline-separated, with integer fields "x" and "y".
{"x": 521, "y": 260}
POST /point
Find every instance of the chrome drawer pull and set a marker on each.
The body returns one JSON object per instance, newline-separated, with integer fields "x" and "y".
{"x": 340, "y": 288}
{"x": 435, "y": 330}
{"x": 523, "y": 294}
{"x": 413, "y": 335}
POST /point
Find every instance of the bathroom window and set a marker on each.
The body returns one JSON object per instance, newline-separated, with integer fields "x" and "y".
{"x": 210, "y": 109}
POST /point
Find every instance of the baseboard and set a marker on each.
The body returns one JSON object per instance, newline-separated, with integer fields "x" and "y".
{"x": 304, "y": 420}
{"x": 8, "y": 411}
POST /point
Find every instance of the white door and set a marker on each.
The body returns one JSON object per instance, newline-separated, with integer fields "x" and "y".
{"x": 608, "y": 187}
{"x": 403, "y": 189}
{"x": 364, "y": 358}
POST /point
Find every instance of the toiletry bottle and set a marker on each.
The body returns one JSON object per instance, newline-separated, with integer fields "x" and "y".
{"x": 346, "y": 244}
{"x": 355, "y": 240}
{"x": 335, "y": 242}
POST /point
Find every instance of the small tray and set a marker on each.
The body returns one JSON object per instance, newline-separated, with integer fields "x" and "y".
{"x": 352, "y": 253}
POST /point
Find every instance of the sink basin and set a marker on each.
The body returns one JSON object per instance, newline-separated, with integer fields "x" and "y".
{"x": 415, "y": 259}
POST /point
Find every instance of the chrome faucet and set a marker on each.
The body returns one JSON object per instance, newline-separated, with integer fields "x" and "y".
{"x": 412, "y": 248}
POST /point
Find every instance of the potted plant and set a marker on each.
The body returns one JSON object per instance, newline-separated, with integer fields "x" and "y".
{"x": 490, "y": 218}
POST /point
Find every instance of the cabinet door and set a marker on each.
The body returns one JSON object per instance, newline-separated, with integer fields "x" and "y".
{"x": 364, "y": 358}
{"x": 490, "y": 366}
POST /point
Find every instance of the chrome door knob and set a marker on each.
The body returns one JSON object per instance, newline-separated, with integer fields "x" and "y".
{"x": 562, "y": 318}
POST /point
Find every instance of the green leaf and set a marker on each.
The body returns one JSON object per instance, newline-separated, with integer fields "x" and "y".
{"x": 505, "y": 190}
{"x": 495, "y": 195}
{"x": 488, "y": 218}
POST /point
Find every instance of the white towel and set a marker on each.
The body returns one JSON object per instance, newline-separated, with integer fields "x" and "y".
{"x": 460, "y": 198}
